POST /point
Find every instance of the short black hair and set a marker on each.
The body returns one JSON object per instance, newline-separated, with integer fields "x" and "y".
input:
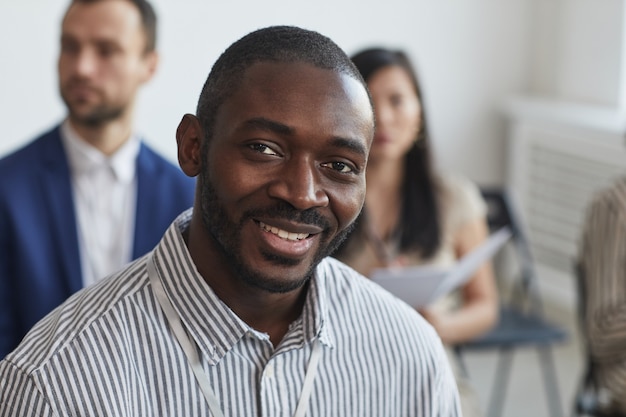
{"x": 148, "y": 20}
{"x": 273, "y": 44}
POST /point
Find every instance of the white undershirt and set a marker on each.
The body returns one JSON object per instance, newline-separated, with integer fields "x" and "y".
{"x": 105, "y": 194}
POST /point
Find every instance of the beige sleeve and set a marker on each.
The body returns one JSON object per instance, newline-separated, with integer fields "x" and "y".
{"x": 461, "y": 201}
{"x": 603, "y": 259}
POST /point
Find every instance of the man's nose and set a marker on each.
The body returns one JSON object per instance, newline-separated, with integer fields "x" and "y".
{"x": 85, "y": 63}
{"x": 299, "y": 184}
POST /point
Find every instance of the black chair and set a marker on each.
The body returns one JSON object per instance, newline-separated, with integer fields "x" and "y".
{"x": 521, "y": 322}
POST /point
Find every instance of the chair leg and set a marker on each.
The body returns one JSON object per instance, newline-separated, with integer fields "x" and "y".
{"x": 498, "y": 392}
{"x": 548, "y": 368}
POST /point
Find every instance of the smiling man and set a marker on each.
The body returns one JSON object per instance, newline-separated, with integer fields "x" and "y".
{"x": 238, "y": 311}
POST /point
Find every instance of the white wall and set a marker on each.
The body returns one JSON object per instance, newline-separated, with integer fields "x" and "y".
{"x": 471, "y": 54}
{"x": 578, "y": 51}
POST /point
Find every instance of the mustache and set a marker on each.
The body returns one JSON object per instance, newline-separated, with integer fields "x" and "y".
{"x": 285, "y": 211}
{"x": 79, "y": 82}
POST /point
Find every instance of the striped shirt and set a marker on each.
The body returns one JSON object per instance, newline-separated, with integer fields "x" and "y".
{"x": 108, "y": 351}
{"x": 603, "y": 262}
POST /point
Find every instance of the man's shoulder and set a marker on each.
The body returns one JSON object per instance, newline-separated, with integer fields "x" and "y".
{"x": 364, "y": 319}
{"x": 342, "y": 280}
{"x": 616, "y": 191}
{"x": 151, "y": 164}
{"x": 90, "y": 310}
{"x": 154, "y": 159}
{"x": 357, "y": 295}
{"x": 611, "y": 197}
{"x": 23, "y": 158}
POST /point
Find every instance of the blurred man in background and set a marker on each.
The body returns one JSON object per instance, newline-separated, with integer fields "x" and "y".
{"x": 87, "y": 197}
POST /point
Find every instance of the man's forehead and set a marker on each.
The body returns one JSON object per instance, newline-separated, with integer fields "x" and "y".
{"x": 278, "y": 77}
{"x": 301, "y": 97}
{"x": 270, "y": 77}
{"x": 272, "y": 66}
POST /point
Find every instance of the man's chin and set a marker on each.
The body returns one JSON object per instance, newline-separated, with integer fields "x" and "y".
{"x": 278, "y": 285}
{"x": 277, "y": 277}
{"x": 93, "y": 116}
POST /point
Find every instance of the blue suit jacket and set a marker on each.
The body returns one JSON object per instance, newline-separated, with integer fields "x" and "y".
{"x": 39, "y": 255}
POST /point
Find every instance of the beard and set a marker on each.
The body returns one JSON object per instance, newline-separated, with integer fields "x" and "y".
{"x": 96, "y": 116}
{"x": 227, "y": 235}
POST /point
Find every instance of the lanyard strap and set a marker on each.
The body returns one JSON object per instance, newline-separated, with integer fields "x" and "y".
{"x": 184, "y": 340}
{"x": 309, "y": 377}
{"x": 193, "y": 359}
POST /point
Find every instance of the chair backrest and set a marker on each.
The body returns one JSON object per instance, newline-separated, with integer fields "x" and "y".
{"x": 502, "y": 211}
{"x": 521, "y": 322}
{"x": 498, "y": 214}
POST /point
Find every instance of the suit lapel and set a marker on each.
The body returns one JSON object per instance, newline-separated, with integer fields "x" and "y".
{"x": 148, "y": 204}
{"x": 57, "y": 191}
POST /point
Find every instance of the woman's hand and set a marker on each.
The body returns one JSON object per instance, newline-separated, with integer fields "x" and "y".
{"x": 478, "y": 310}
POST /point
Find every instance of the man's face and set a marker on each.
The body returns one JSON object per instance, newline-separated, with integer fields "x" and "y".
{"x": 103, "y": 60}
{"x": 284, "y": 177}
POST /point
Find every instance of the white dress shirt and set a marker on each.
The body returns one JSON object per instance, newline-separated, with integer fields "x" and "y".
{"x": 105, "y": 193}
{"x": 109, "y": 351}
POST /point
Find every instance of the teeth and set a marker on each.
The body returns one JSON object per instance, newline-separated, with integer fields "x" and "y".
{"x": 283, "y": 233}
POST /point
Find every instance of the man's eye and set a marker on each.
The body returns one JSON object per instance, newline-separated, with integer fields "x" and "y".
{"x": 264, "y": 149}
{"x": 105, "y": 52}
{"x": 69, "y": 47}
{"x": 341, "y": 167}
{"x": 107, "y": 49}
{"x": 396, "y": 100}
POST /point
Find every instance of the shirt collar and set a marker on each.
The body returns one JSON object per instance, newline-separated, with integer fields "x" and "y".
{"x": 83, "y": 158}
{"x": 210, "y": 322}
{"x": 314, "y": 319}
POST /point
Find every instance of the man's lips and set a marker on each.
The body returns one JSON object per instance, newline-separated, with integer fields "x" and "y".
{"x": 80, "y": 89}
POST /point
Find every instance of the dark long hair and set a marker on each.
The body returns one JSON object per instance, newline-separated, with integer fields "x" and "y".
{"x": 419, "y": 225}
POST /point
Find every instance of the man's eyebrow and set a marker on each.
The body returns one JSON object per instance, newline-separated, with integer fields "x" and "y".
{"x": 268, "y": 125}
{"x": 65, "y": 36}
{"x": 351, "y": 144}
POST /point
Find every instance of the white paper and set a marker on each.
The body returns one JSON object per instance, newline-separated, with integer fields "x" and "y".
{"x": 421, "y": 285}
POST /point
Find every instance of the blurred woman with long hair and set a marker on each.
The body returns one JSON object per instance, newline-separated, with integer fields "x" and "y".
{"x": 414, "y": 215}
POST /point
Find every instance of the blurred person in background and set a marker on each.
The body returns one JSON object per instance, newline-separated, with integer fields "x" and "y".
{"x": 602, "y": 264}
{"x": 414, "y": 215}
{"x": 82, "y": 200}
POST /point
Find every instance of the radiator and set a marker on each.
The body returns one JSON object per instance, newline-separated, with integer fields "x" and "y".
{"x": 554, "y": 170}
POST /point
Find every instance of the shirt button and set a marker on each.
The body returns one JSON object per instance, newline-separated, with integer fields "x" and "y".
{"x": 269, "y": 371}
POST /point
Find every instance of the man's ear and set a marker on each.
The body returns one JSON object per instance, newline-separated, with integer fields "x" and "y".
{"x": 150, "y": 64}
{"x": 189, "y": 140}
